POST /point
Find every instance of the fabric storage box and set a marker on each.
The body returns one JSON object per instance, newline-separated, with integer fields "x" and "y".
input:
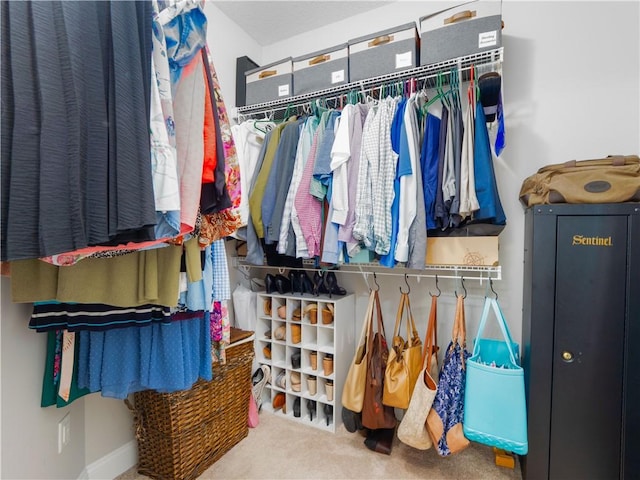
{"x": 388, "y": 51}
{"x": 466, "y": 29}
{"x": 271, "y": 82}
{"x": 319, "y": 70}
{"x": 181, "y": 434}
{"x": 480, "y": 251}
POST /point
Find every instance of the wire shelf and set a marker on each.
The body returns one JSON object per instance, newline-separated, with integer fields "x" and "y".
{"x": 420, "y": 73}
{"x": 480, "y": 273}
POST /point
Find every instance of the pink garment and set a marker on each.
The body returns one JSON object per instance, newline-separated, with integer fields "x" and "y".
{"x": 308, "y": 207}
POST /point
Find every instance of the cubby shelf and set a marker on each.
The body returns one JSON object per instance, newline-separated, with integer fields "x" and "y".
{"x": 276, "y": 330}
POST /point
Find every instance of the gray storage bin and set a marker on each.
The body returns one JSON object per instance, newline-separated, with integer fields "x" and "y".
{"x": 388, "y": 51}
{"x": 319, "y": 70}
{"x": 270, "y": 82}
{"x": 467, "y": 29}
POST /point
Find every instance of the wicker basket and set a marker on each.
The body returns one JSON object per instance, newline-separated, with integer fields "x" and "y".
{"x": 181, "y": 434}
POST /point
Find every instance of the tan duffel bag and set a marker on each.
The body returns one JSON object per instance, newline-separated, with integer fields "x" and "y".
{"x": 614, "y": 179}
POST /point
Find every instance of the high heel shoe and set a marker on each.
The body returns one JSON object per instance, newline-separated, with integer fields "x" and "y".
{"x": 311, "y": 406}
{"x": 331, "y": 283}
{"x": 294, "y": 280}
{"x": 296, "y": 407}
{"x": 318, "y": 284}
{"x": 305, "y": 283}
{"x": 283, "y": 285}
{"x": 328, "y": 412}
{"x": 270, "y": 283}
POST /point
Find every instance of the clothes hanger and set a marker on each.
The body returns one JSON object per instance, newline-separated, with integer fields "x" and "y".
{"x": 262, "y": 120}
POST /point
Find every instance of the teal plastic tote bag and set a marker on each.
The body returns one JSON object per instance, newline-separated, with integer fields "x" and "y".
{"x": 495, "y": 411}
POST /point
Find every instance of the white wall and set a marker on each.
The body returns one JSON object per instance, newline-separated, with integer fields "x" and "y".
{"x": 571, "y": 92}
{"x": 30, "y": 433}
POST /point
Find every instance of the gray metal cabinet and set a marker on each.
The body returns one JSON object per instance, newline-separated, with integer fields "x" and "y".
{"x": 581, "y": 341}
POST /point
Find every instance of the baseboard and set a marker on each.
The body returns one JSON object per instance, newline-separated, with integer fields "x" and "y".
{"x": 112, "y": 464}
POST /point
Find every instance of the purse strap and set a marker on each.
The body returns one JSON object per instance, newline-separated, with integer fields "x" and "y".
{"x": 412, "y": 331}
{"x": 493, "y": 304}
{"x": 364, "y": 333}
{"x": 431, "y": 337}
{"x": 379, "y": 326}
{"x": 459, "y": 333}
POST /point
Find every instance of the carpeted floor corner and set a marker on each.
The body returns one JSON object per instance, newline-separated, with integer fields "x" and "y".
{"x": 283, "y": 449}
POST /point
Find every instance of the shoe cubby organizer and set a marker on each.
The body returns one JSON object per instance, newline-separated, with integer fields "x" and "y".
{"x": 308, "y": 342}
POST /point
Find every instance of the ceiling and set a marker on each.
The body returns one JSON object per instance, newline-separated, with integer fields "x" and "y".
{"x": 268, "y": 22}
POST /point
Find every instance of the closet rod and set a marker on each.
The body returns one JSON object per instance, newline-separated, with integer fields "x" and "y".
{"x": 478, "y": 60}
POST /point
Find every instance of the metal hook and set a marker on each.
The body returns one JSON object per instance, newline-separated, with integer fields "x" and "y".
{"x": 438, "y": 288}
{"x": 375, "y": 280}
{"x": 463, "y": 287}
{"x": 491, "y": 286}
{"x": 408, "y": 286}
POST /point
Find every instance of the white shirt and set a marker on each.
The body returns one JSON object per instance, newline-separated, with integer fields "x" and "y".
{"x": 340, "y": 155}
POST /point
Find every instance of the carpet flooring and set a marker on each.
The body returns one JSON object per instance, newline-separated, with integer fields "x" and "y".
{"x": 279, "y": 448}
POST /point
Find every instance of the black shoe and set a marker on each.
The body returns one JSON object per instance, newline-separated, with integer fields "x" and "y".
{"x": 283, "y": 285}
{"x": 328, "y": 411}
{"x": 270, "y": 283}
{"x": 352, "y": 420}
{"x": 318, "y": 284}
{"x": 311, "y": 406}
{"x": 294, "y": 279}
{"x": 295, "y": 360}
{"x": 296, "y": 407}
{"x": 305, "y": 283}
{"x": 331, "y": 283}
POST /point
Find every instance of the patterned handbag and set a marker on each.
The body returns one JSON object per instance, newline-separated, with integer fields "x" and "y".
{"x": 444, "y": 421}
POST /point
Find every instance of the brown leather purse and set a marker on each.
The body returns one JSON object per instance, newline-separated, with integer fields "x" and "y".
{"x": 615, "y": 179}
{"x": 374, "y": 414}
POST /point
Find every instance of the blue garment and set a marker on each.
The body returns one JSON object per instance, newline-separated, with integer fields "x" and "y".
{"x": 221, "y": 285}
{"x": 440, "y": 210}
{"x": 400, "y": 145}
{"x": 486, "y": 185}
{"x": 322, "y": 173}
{"x": 165, "y": 358}
{"x": 429, "y": 164}
{"x": 167, "y": 224}
{"x": 185, "y": 35}
{"x": 331, "y": 246}
{"x": 198, "y": 295}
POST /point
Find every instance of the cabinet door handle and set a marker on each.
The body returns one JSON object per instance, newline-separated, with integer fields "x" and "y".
{"x": 567, "y": 356}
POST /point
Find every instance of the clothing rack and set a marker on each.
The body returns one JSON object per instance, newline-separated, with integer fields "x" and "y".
{"x": 480, "y": 61}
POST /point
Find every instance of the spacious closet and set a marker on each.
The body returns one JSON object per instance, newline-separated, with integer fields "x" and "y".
{"x": 560, "y": 102}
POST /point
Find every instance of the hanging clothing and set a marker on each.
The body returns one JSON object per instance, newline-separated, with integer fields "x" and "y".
{"x": 468, "y": 199}
{"x": 402, "y": 167}
{"x": 89, "y": 191}
{"x": 165, "y": 358}
{"x": 260, "y": 184}
{"x": 363, "y": 228}
{"x": 286, "y": 153}
{"x": 490, "y": 210}
{"x": 287, "y": 240}
{"x": 357, "y": 119}
{"x": 149, "y": 276}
